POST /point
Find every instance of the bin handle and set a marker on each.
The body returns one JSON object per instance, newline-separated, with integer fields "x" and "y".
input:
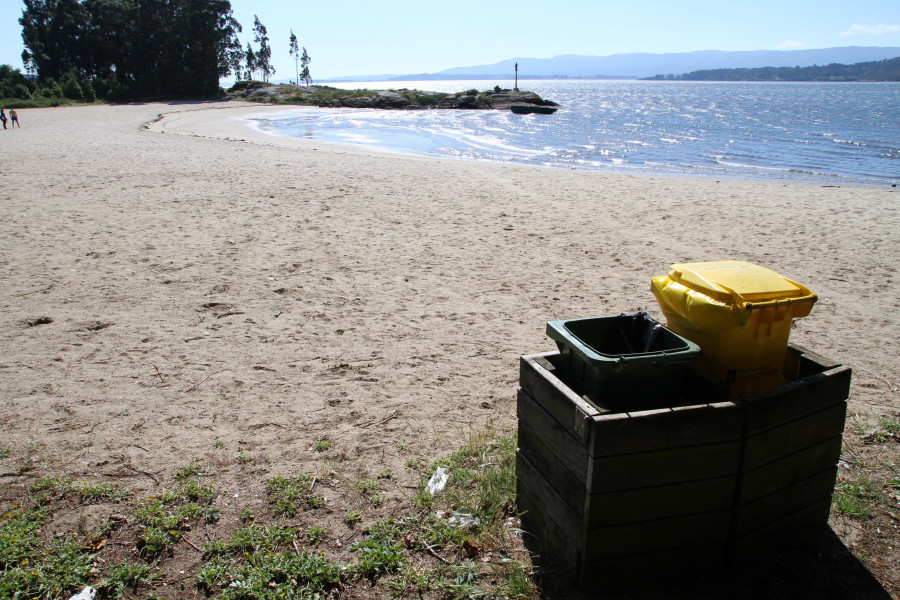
{"x": 738, "y": 299}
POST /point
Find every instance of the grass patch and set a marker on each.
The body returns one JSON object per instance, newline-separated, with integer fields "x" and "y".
{"x": 855, "y": 499}
{"x": 459, "y": 544}
{"x": 289, "y": 493}
{"x": 126, "y": 576}
{"x": 165, "y": 517}
{"x": 255, "y": 562}
{"x": 88, "y": 493}
{"x": 191, "y": 469}
{"x": 32, "y": 567}
{"x": 380, "y": 551}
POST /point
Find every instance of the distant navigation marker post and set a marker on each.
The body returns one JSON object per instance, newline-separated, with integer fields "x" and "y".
{"x": 516, "y": 88}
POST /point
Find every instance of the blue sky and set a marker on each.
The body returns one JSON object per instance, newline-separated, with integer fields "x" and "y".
{"x": 355, "y": 37}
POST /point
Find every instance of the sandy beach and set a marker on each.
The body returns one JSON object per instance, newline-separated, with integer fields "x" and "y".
{"x": 173, "y": 279}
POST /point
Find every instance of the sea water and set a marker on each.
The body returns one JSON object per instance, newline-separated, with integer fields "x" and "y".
{"x": 830, "y": 133}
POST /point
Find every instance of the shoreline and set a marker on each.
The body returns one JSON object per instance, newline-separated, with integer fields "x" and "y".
{"x": 239, "y": 128}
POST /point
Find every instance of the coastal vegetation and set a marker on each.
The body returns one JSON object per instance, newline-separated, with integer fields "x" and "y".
{"x": 131, "y": 48}
{"x": 881, "y": 70}
{"x": 87, "y": 50}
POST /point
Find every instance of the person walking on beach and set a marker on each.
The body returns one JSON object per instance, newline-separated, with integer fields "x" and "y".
{"x": 3, "y": 118}
{"x": 14, "y": 119}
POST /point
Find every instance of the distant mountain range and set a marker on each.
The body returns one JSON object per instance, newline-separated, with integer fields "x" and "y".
{"x": 643, "y": 64}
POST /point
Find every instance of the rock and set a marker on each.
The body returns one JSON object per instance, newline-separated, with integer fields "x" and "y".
{"x": 498, "y": 99}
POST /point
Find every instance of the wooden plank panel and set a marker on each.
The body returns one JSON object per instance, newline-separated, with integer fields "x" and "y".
{"x": 797, "y": 399}
{"x": 661, "y": 467}
{"x": 802, "y": 433}
{"x": 800, "y": 363}
{"x": 570, "y": 488}
{"x": 544, "y": 504}
{"x": 662, "y": 501}
{"x": 810, "y": 363}
{"x": 657, "y": 535}
{"x": 554, "y": 436}
{"x": 551, "y": 548}
{"x": 665, "y": 428}
{"x": 597, "y": 575}
{"x": 537, "y": 376}
{"x": 798, "y": 523}
{"x": 789, "y": 469}
{"x": 786, "y": 501}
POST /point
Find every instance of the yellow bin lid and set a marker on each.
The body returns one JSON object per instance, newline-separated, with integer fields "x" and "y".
{"x": 736, "y": 281}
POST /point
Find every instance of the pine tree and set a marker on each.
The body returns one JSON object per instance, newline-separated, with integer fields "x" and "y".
{"x": 304, "y": 73}
{"x": 295, "y": 52}
{"x": 250, "y": 59}
{"x": 264, "y": 54}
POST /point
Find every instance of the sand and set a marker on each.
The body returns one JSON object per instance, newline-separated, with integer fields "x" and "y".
{"x": 174, "y": 281}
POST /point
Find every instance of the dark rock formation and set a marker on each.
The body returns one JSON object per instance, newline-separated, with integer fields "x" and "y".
{"x": 402, "y": 99}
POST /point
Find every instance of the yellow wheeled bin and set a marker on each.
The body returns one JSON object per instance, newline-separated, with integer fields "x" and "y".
{"x": 740, "y": 314}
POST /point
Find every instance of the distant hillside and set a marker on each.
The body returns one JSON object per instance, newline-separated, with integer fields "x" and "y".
{"x": 639, "y": 65}
{"x": 882, "y": 70}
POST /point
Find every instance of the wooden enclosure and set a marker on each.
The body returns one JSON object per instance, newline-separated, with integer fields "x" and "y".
{"x": 610, "y": 493}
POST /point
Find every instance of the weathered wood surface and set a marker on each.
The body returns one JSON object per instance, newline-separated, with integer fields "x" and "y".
{"x": 660, "y": 501}
{"x": 615, "y": 492}
{"x": 797, "y": 399}
{"x": 538, "y": 376}
{"x": 794, "y": 436}
{"x": 570, "y": 486}
{"x": 665, "y": 466}
{"x": 785, "y": 502}
{"x": 557, "y": 438}
{"x": 788, "y": 470}
{"x": 663, "y": 429}
{"x": 596, "y": 575}
{"x": 798, "y": 523}
{"x": 560, "y": 528}
{"x": 656, "y": 535}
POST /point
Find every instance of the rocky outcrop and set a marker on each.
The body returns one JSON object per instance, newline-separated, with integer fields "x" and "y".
{"x": 497, "y": 99}
{"x": 403, "y": 99}
{"x": 381, "y": 99}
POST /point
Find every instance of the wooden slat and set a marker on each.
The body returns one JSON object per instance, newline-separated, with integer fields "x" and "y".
{"x": 788, "y": 438}
{"x": 551, "y": 549}
{"x": 537, "y": 376}
{"x": 662, "y": 467}
{"x": 671, "y": 428}
{"x": 797, "y": 399}
{"x": 570, "y": 488}
{"x": 789, "y": 469}
{"x": 601, "y": 575}
{"x": 662, "y": 501}
{"x": 810, "y": 363}
{"x": 767, "y": 510}
{"x": 537, "y": 497}
{"x": 657, "y": 535}
{"x": 554, "y": 436}
{"x": 798, "y": 523}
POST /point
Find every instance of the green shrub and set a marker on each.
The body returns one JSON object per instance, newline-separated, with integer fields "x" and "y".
{"x": 71, "y": 89}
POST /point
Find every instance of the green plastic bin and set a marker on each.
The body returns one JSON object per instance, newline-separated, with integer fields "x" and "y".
{"x": 625, "y": 362}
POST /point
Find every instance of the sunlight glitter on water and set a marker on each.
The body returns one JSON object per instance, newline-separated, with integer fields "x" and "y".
{"x": 750, "y": 130}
